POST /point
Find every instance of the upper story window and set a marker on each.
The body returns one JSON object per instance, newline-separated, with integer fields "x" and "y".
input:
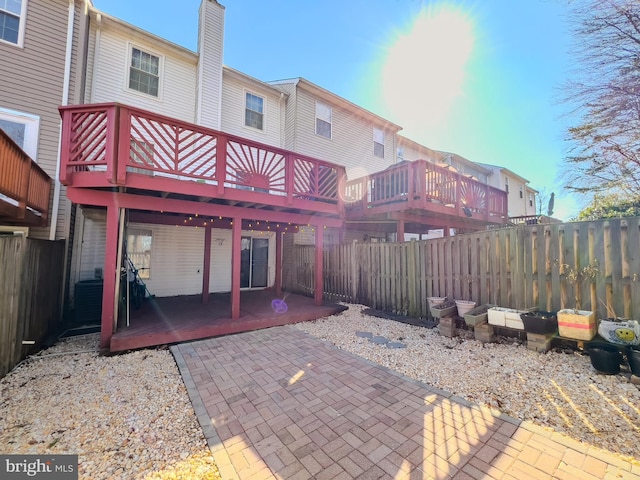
{"x": 323, "y": 120}
{"x": 400, "y": 154}
{"x": 521, "y": 192}
{"x": 530, "y": 200}
{"x": 378, "y": 142}
{"x": 144, "y": 72}
{"x": 506, "y": 184}
{"x": 22, "y": 128}
{"x": 254, "y": 111}
{"x": 12, "y": 20}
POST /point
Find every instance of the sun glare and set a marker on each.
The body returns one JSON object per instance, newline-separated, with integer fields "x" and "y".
{"x": 425, "y": 66}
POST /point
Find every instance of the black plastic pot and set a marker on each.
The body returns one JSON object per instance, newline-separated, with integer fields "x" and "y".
{"x": 633, "y": 355}
{"x": 605, "y": 357}
{"x": 540, "y": 322}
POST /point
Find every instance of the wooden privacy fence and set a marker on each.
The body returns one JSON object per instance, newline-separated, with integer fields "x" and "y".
{"x": 517, "y": 267}
{"x": 30, "y": 288}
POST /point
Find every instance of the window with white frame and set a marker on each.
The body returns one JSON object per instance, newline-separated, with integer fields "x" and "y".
{"x": 144, "y": 72}
{"x": 22, "y": 128}
{"x": 254, "y": 111}
{"x": 323, "y": 120}
{"x": 139, "y": 250}
{"x": 400, "y": 154}
{"x": 506, "y": 184}
{"x": 378, "y": 142}
{"x": 531, "y": 200}
{"x": 12, "y": 20}
{"x": 521, "y": 192}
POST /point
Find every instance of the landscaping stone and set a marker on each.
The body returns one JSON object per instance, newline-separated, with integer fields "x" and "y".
{"x": 396, "y": 345}
{"x": 364, "y": 334}
{"x": 380, "y": 340}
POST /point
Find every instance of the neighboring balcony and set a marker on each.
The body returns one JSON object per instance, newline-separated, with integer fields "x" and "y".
{"x": 107, "y": 146}
{"x": 424, "y": 194}
{"x": 25, "y": 188}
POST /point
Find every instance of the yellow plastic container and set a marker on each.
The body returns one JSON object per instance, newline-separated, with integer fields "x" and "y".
{"x": 577, "y": 324}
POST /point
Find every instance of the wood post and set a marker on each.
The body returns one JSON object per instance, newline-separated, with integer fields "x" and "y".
{"x": 206, "y": 267}
{"x": 278, "y": 279}
{"x": 319, "y": 282}
{"x": 110, "y": 274}
{"x": 236, "y": 252}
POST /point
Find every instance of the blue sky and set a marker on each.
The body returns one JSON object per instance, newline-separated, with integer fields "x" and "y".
{"x": 480, "y": 78}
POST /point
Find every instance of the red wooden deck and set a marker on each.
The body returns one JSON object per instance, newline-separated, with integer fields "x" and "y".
{"x": 167, "y": 320}
{"x": 423, "y": 196}
{"x": 25, "y": 188}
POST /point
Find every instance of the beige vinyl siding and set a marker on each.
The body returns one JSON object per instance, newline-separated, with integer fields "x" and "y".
{"x": 233, "y": 112}
{"x": 32, "y": 80}
{"x": 110, "y": 79}
{"x": 351, "y": 142}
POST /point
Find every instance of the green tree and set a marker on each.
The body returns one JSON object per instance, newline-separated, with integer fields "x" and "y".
{"x": 605, "y": 98}
{"x": 610, "y": 206}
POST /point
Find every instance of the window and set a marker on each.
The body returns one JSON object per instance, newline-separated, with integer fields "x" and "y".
{"x": 254, "y": 111}
{"x": 144, "y": 72}
{"x": 139, "y": 250}
{"x": 521, "y": 192}
{"x": 506, "y": 184}
{"x": 22, "y": 128}
{"x": 323, "y": 120}
{"x": 530, "y": 200}
{"x": 400, "y": 154}
{"x": 378, "y": 142}
{"x": 12, "y": 20}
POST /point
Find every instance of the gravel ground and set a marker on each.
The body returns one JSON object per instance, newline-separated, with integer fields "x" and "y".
{"x": 127, "y": 416}
{"x": 554, "y": 389}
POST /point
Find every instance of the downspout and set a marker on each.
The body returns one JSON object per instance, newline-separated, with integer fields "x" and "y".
{"x": 65, "y": 101}
{"x": 282, "y": 120}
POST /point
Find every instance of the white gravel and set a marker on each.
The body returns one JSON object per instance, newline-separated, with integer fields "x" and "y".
{"x": 557, "y": 390}
{"x": 126, "y": 416}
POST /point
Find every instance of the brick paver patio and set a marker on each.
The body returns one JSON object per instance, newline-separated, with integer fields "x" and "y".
{"x": 278, "y": 403}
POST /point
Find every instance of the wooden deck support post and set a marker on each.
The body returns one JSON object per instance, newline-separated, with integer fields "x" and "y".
{"x": 278, "y": 263}
{"x": 236, "y": 252}
{"x": 107, "y": 326}
{"x": 400, "y": 227}
{"x": 206, "y": 265}
{"x": 319, "y": 282}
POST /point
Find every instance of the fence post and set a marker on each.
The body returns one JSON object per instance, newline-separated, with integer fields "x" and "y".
{"x": 413, "y": 281}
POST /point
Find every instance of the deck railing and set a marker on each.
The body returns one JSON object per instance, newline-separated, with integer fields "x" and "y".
{"x": 25, "y": 187}
{"x": 421, "y": 183}
{"x": 117, "y": 140}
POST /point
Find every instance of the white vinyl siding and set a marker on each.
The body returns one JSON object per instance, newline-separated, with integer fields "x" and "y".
{"x": 176, "y": 257}
{"x": 109, "y": 78}
{"x": 12, "y": 21}
{"x": 350, "y": 142}
{"x": 233, "y": 111}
